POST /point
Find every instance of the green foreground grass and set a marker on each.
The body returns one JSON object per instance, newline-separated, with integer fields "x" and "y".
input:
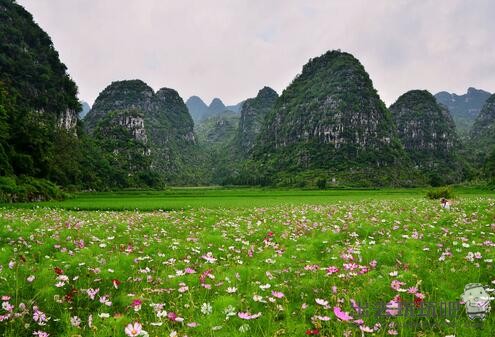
{"x": 244, "y": 263}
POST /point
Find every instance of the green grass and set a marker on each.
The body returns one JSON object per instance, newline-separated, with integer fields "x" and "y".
{"x": 282, "y": 238}
{"x": 186, "y": 198}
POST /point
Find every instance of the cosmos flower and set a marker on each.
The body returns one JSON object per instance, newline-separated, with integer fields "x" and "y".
{"x": 133, "y": 330}
{"x": 343, "y": 316}
{"x": 248, "y": 316}
{"x": 321, "y": 302}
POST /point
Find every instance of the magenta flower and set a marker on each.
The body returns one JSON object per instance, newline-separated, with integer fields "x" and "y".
{"x": 342, "y": 315}
{"x": 332, "y": 270}
{"x": 136, "y": 304}
{"x": 172, "y": 316}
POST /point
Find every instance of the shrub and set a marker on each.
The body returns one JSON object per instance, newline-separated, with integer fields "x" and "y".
{"x": 27, "y": 189}
{"x": 441, "y": 192}
{"x": 321, "y": 183}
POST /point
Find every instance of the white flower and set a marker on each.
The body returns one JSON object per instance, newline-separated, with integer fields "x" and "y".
{"x": 231, "y": 290}
{"x": 321, "y": 302}
{"x": 206, "y": 309}
{"x": 229, "y": 311}
{"x": 75, "y": 321}
{"x": 244, "y": 328}
{"x": 258, "y": 298}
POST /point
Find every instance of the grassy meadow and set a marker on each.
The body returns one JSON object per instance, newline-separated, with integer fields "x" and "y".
{"x": 244, "y": 262}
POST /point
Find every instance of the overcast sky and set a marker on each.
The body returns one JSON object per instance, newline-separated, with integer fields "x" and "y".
{"x": 232, "y": 48}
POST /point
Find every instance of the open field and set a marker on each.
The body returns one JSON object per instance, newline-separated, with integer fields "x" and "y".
{"x": 287, "y": 263}
{"x": 187, "y": 198}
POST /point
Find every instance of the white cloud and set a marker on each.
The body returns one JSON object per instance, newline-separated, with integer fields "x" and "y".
{"x": 232, "y": 48}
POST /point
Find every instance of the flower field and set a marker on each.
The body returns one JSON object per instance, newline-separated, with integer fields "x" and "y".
{"x": 322, "y": 270}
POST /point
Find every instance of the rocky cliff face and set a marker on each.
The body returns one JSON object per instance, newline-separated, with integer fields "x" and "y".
{"x": 218, "y": 131}
{"x": 331, "y": 118}
{"x": 162, "y": 123}
{"x": 67, "y": 120}
{"x": 120, "y": 95}
{"x": 121, "y": 134}
{"x": 40, "y": 100}
{"x": 463, "y": 108}
{"x": 253, "y": 113}
{"x": 428, "y": 134}
{"x": 483, "y": 131}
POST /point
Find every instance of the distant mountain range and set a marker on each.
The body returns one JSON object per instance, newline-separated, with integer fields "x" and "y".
{"x": 200, "y": 111}
{"x": 84, "y": 109}
{"x": 463, "y": 108}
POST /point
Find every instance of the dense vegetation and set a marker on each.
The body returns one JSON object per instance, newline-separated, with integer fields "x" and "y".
{"x": 331, "y": 122}
{"x": 38, "y": 101}
{"x": 328, "y": 128}
{"x": 428, "y": 134}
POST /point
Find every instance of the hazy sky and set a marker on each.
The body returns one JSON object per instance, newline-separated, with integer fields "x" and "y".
{"x": 232, "y": 48}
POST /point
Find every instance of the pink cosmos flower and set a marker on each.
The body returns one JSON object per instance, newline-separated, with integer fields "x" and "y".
{"x": 396, "y": 284}
{"x": 209, "y": 257}
{"x": 39, "y": 316}
{"x": 312, "y": 267}
{"x": 342, "y": 315}
{"x": 248, "y": 316}
{"x": 332, "y": 270}
{"x": 172, "y": 316}
{"x": 355, "y": 306}
{"x": 277, "y": 294}
{"x": 40, "y": 333}
{"x": 136, "y": 304}
{"x": 393, "y": 306}
{"x": 365, "y": 328}
{"x": 92, "y": 292}
{"x": 350, "y": 266}
{"x": 132, "y": 330}
{"x": 412, "y": 290}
